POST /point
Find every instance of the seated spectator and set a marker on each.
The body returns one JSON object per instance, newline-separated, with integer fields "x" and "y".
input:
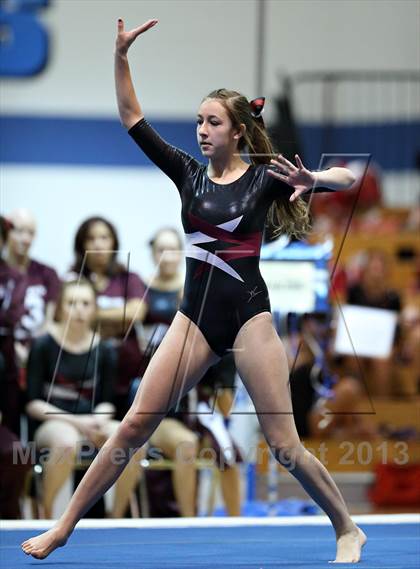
{"x": 69, "y": 394}
{"x": 12, "y": 293}
{"x": 119, "y": 296}
{"x": 373, "y": 290}
{"x": 215, "y": 400}
{"x": 325, "y": 403}
{"x": 42, "y": 283}
{"x": 12, "y": 473}
{"x": 408, "y": 355}
{"x": 182, "y": 435}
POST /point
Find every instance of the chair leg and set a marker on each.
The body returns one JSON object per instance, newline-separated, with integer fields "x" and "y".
{"x": 215, "y": 482}
{"x": 134, "y": 505}
{"x": 144, "y": 500}
{"x": 37, "y": 503}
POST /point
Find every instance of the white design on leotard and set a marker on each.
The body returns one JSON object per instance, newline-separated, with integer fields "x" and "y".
{"x": 194, "y": 252}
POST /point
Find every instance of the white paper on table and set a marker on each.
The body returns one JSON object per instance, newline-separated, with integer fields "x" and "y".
{"x": 364, "y": 331}
{"x": 291, "y": 284}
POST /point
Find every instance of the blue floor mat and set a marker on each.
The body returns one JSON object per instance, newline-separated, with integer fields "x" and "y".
{"x": 393, "y": 546}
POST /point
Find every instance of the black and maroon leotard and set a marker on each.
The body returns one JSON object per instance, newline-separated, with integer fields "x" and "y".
{"x": 223, "y": 226}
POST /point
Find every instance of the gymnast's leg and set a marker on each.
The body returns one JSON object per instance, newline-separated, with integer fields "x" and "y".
{"x": 261, "y": 361}
{"x": 179, "y": 363}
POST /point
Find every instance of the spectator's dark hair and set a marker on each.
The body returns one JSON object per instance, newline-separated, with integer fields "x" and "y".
{"x": 5, "y": 226}
{"x": 80, "y": 265}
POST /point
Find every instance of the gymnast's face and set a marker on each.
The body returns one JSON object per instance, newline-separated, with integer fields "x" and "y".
{"x": 215, "y": 133}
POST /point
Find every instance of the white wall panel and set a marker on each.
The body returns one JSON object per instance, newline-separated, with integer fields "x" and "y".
{"x": 137, "y": 200}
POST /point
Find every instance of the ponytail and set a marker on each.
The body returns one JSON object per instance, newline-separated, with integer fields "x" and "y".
{"x": 285, "y": 217}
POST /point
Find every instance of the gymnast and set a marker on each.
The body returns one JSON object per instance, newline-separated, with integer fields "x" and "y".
{"x": 225, "y": 305}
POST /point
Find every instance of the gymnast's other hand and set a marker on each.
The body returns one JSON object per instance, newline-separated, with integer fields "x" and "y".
{"x": 299, "y": 177}
{"x": 125, "y": 39}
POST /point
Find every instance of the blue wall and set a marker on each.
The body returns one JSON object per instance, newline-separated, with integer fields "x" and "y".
{"x": 77, "y": 141}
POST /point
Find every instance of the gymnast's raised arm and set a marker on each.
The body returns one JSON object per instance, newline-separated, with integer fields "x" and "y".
{"x": 128, "y": 105}
{"x": 175, "y": 163}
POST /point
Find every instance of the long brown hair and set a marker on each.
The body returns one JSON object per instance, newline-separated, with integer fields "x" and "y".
{"x": 80, "y": 266}
{"x": 284, "y": 216}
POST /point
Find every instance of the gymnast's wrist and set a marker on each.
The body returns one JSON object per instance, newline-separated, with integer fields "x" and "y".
{"x": 121, "y": 54}
{"x": 316, "y": 178}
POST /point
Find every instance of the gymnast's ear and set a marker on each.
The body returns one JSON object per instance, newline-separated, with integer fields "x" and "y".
{"x": 239, "y": 133}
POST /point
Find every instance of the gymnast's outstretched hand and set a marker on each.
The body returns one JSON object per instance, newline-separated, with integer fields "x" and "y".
{"x": 299, "y": 177}
{"x": 125, "y": 39}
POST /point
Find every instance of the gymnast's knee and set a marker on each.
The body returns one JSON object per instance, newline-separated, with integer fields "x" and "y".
{"x": 137, "y": 428}
{"x": 287, "y": 453}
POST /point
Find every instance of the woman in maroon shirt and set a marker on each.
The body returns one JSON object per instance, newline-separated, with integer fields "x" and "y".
{"x": 42, "y": 283}
{"x": 12, "y": 294}
{"x": 119, "y": 296}
{"x": 12, "y": 472}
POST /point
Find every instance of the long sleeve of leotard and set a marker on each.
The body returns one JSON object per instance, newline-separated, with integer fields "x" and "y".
{"x": 175, "y": 163}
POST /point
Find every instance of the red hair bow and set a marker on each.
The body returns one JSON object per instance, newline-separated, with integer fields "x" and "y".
{"x": 257, "y": 107}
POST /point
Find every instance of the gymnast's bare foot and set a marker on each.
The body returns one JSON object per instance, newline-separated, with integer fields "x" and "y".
{"x": 349, "y": 546}
{"x": 42, "y": 545}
